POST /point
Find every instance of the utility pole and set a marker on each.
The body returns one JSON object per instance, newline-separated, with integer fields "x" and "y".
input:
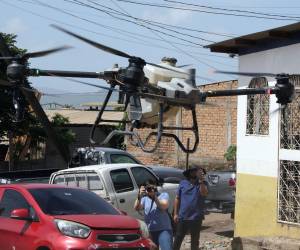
{"x": 187, "y": 154}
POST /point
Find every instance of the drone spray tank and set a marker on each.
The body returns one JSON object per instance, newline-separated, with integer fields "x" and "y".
{"x": 170, "y": 81}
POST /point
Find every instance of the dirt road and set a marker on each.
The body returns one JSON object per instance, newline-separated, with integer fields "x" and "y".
{"x": 216, "y": 233}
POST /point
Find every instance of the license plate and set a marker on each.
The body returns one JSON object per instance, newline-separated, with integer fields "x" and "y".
{"x": 214, "y": 179}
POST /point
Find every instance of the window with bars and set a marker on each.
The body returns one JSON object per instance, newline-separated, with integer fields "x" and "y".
{"x": 289, "y": 173}
{"x": 258, "y": 109}
{"x": 289, "y": 192}
{"x": 290, "y": 120}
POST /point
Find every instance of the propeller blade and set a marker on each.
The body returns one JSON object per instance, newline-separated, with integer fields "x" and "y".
{"x": 8, "y": 57}
{"x": 45, "y": 52}
{"x": 253, "y": 74}
{"x": 95, "y": 44}
{"x": 90, "y": 84}
{"x": 108, "y": 49}
{"x": 5, "y": 83}
{"x": 184, "y": 65}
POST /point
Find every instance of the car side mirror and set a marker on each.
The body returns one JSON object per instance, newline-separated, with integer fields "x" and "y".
{"x": 20, "y": 214}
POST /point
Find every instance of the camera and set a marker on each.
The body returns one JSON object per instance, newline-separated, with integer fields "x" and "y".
{"x": 151, "y": 189}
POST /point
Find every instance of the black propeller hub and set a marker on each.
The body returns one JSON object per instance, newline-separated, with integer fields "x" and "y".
{"x": 16, "y": 71}
{"x": 286, "y": 89}
{"x": 133, "y": 76}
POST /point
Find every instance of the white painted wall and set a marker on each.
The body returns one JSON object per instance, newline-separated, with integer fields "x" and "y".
{"x": 259, "y": 155}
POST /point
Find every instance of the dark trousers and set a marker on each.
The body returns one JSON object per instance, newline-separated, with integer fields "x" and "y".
{"x": 183, "y": 227}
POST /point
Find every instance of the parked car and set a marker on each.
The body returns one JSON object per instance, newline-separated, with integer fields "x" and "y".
{"x": 26, "y": 176}
{"x": 48, "y": 217}
{"x": 221, "y": 196}
{"x": 117, "y": 183}
{"x": 101, "y": 155}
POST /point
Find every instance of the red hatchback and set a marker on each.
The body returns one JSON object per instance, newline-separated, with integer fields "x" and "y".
{"x": 52, "y": 217}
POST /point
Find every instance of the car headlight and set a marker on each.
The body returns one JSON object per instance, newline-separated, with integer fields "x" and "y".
{"x": 72, "y": 229}
{"x": 144, "y": 229}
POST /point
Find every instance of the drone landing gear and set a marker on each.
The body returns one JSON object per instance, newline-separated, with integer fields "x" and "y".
{"x": 134, "y": 137}
{"x": 159, "y": 133}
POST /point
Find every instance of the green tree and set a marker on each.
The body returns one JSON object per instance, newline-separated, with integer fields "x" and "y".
{"x": 65, "y": 135}
{"x": 230, "y": 154}
{"x": 7, "y": 110}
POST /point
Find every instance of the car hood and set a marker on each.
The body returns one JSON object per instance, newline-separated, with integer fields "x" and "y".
{"x": 103, "y": 221}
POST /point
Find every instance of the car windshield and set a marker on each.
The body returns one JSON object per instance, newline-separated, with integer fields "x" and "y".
{"x": 64, "y": 201}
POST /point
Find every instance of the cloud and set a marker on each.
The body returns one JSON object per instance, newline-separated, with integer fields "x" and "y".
{"x": 172, "y": 17}
{"x": 14, "y": 25}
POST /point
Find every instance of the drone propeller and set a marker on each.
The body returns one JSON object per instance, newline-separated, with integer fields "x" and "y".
{"x": 36, "y": 54}
{"x": 253, "y": 74}
{"x": 184, "y": 65}
{"x": 5, "y": 83}
{"x": 18, "y": 69}
{"x": 108, "y": 49}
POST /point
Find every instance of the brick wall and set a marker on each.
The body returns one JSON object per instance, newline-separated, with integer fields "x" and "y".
{"x": 217, "y": 131}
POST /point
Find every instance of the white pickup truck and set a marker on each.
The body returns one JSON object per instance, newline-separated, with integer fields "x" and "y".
{"x": 116, "y": 183}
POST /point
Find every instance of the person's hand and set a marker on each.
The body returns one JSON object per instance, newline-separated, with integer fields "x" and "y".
{"x": 142, "y": 191}
{"x": 175, "y": 218}
{"x": 201, "y": 175}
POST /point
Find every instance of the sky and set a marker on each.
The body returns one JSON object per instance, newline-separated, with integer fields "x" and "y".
{"x": 30, "y": 20}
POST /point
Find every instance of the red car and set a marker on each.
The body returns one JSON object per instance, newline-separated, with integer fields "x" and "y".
{"x": 53, "y": 217}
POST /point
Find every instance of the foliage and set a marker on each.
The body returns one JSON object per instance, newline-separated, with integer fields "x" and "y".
{"x": 230, "y": 154}
{"x": 7, "y": 111}
{"x": 65, "y": 135}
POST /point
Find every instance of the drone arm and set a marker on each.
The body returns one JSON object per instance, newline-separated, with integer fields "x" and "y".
{"x": 106, "y": 75}
{"x": 235, "y": 92}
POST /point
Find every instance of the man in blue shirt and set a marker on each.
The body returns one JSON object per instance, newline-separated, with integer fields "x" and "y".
{"x": 189, "y": 207}
{"x": 155, "y": 206}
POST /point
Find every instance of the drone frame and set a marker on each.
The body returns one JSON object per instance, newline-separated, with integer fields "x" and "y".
{"x": 132, "y": 83}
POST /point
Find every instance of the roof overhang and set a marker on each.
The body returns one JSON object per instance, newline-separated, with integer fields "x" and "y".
{"x": 259, "y": 41}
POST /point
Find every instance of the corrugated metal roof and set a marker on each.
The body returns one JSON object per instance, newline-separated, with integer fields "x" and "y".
{"x": 289, "y": 34}
{"x": 77, "y": 116}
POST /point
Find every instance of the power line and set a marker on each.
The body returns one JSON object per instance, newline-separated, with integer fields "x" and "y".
{"x": 205, "y": 11}
{"x": 231, "y": 10}
{"x": 139, "y": 24}
{"x": 208, "y": 65}
{"x": 147, "y": 21}
{"x": 175, "y": 26}
{"x": 144, "y": 42}
{"x": 84, "y": 29}
{"x": 128, "y": 33}
{"x": 168, "y": 42}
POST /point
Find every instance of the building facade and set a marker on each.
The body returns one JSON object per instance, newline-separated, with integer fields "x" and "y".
{"x": 268, "y": 137}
